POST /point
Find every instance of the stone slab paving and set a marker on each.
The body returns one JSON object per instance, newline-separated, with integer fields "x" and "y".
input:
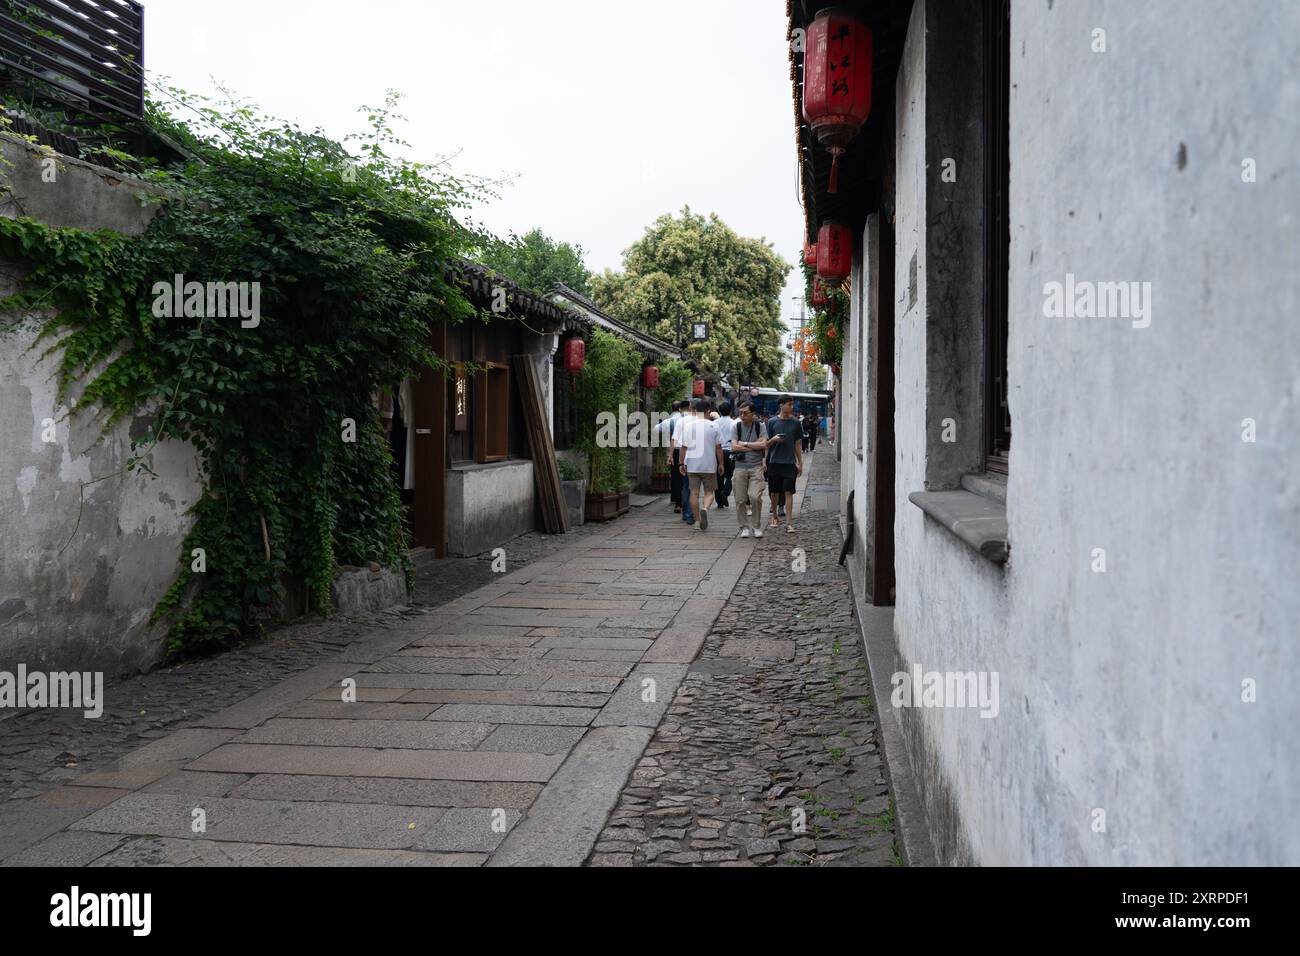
{"x": 499, "y": 728}
{"x": 43, "y": 749}
{"x": 768, "y": 754}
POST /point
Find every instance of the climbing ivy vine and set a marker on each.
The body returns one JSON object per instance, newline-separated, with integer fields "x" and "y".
{"x": 348, "y": 249}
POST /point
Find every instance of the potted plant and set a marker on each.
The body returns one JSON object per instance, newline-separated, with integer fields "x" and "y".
{"x": 611, "y": 368}
{"x": 610, "y": 494}
{"x": 660, "y": 478}
{"x": 575, "y": 492}
{"x": 674, "y": 377}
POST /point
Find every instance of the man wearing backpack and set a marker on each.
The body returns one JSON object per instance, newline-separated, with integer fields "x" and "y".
{"x": 748, "y": 447}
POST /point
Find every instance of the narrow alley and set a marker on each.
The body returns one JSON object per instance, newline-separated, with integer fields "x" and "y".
{"x": 646, "y": 693}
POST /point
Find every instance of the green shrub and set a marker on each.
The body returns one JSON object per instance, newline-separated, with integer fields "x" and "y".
{"x": 351, "y": 257}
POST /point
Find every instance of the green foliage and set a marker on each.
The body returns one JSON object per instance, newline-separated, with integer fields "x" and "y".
{"x": 568, "y": 472}
{"x": 703, "y": 267}
{"x": 537, "y": 262}
{"x": 350, "y": 256}
{"x": 608, "y": 380}
{"x": 674, "y": 379}
{"x": 828, "y": 321}
{"x": 816, "y": 375}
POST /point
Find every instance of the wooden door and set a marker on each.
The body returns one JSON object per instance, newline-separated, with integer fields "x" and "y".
{"x": 429, "y": 421}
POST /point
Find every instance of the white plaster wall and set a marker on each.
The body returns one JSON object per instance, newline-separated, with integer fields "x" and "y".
{"x": 1122, "y": 691}
{"x": 79, "y": 578}
{"x": 850, "y": 385}
{"x": 77, "y": 593}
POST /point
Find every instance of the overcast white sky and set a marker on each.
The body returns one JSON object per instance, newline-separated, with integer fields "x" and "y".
{"x": 607, "y": 113}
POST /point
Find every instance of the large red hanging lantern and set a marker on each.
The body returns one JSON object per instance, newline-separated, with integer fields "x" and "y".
{"x": 836, "y": 82}
{"x": 698, "y": 389}
{"x": 819, "y": 297}
{"x": 810, "y": 253}
{"x": 834, "y": 252}
{"x": 575, "y": 355}
{"x": 650, "y": 377}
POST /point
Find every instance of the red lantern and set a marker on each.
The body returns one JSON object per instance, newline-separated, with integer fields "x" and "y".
{"x": 836, "y": 82}
{"x": 575, "y": 355}
{"x": 698, "y": 390}
{"x": 819, "y": 297}
{"x": 650, "y": 377}
{"x": 834, "y": 252}
{"x": 810, "y": 253}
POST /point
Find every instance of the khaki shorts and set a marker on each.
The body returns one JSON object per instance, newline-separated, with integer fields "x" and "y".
{"x": 708, "y": 480}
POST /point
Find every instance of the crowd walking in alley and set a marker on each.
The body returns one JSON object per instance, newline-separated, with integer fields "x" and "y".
{"x": 716, "y": 455}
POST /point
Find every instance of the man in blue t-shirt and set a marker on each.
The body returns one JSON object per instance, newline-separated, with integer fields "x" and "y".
{"x": 784, "y": 461}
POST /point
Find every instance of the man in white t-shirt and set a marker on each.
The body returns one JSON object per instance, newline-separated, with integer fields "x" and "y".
{"x": 678, "y": 447}
{"x": 702, "y": 462}
{"x": 666, "y": 430}
{"x": 726, "y": 425}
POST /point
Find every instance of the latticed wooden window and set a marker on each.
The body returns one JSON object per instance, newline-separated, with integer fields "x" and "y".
{"x": 565, "y": 426}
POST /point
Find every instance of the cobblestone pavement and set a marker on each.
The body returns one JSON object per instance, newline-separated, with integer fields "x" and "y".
{"x": 769, "y": 753}
{"x": 40, "y": 749}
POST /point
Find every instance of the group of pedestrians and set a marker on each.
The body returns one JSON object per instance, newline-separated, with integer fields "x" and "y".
{"x": 724, "y": 460}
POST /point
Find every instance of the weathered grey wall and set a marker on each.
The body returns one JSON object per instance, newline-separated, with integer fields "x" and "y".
{"x": 953, "y": 233}
{"x": 1121, "y": 691}
{"x": 487, "y": 505}
{"x": 78, "y": 582}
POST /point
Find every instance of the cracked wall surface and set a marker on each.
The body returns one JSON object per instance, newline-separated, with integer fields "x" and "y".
{"x": 87, "y": 549}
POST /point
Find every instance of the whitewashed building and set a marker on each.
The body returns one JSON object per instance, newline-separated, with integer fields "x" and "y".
{"x": 1068, "y": 416}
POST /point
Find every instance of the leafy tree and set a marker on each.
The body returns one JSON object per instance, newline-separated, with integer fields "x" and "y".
{"x": 537, "y": 262}
{"x": 700, "y": 265}
{"x": 674, "y": 377}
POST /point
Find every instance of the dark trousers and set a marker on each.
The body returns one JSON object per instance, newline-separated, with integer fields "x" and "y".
{"x": 676, "y": 480}
{"x": 723, "y": 496}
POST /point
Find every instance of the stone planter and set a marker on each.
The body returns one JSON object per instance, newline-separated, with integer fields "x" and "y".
{"x": 604, "y": 506}
{"x": 369, "y": 589}
{"x": 575, "y": 497}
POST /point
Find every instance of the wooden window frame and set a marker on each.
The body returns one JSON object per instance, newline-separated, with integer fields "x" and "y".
{"x": 564, "y": 426}
{"x": 492, "y": 413}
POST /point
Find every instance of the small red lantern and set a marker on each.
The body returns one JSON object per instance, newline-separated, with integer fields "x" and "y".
{"x": 650, "y": 377}
{"x": 698, "y": 390}
{"x": 836, "y": 82}
{"x": 810, "y": 253}
{"x": 820, "y": 299}
{"x": 575, "y": 355}
{"x": 834, "y": 252}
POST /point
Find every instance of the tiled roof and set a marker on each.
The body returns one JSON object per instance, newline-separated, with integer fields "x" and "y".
{"x": 598, "y": 316}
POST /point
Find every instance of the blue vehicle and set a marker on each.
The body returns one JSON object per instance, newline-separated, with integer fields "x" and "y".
{"x": 765, "y": 403}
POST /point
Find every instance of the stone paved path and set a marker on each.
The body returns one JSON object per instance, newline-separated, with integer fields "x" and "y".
{"x": 42, "y": 749}
{"x": 768, "y": 754}
{"x": 499, "y": 729}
